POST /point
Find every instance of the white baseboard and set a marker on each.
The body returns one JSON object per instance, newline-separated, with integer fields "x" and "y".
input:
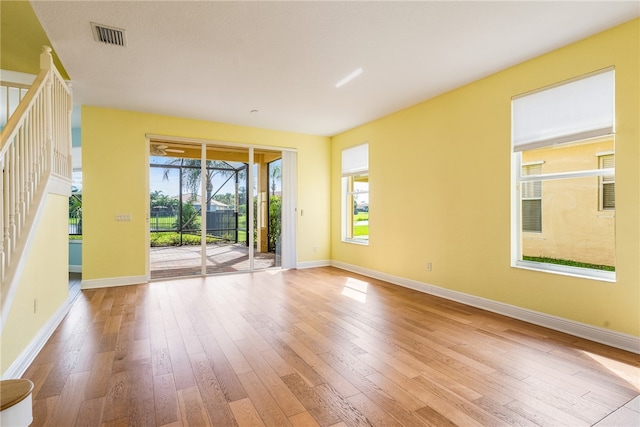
{"x": 113, "y": 281}
{"x": 24, "y": 360}
{"x": 604, "y": 336}
{"x": 75, "y": 269}
{"x": 312, "y": 264}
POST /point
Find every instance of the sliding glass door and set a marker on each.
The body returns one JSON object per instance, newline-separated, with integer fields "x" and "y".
{"x": 227, "y": 248}
{"x": 213, "y": 209}
{"x": 267, "y": 207}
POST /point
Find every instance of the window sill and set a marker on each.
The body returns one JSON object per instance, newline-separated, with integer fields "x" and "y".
{"x": 583, "y": 273}
{"x": 356, "y": 242}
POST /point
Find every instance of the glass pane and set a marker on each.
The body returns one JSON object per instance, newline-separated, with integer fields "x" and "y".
{"x": 174, "y": 217}
{"x": 75, "y": 205}
{"x": 568, "y": 157}
{"x": 361, "y": 207}
{"x": 574, "y": 231}
{"x": 221, "y": 201}
{"x": 267, "y": 205}
{"x": 274, "y": 225}
{"x": 227, "y": 210}
{"x": 161, "y": 160}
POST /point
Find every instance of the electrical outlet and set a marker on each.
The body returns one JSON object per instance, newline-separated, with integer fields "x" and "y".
{"x": 35, "y": 305}
{"x": 429, "y": 266}
{"x": 315, "y": 249}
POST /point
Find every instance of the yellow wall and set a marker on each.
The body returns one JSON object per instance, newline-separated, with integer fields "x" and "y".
{"x": 22, "y": 38}
{"x": 440, "y": 189}
{"x": 45, "y": 278}
{"x": 115, "y": 171}
{"x": 573, "y": 226}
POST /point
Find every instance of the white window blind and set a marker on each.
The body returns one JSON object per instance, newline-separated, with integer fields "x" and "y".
{"x": 355, "y": 160}
{"x": 580, "y": 109}
{"x": 607, "y": 184}
{"x": 532, "y": 200}
{"x": 607, "y": 161}
{"x": 531, "y": 189}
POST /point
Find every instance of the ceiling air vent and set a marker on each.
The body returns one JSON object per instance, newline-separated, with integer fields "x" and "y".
{"x": 108, "y": 35}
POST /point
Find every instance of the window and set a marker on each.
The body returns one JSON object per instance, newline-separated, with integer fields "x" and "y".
{"x": 355, "y": 194}
{"x": 565, "y": 128}
{"x": 75, "y": 201}
{"x": 607, "y": 191}
{"x": 532, "y": 200}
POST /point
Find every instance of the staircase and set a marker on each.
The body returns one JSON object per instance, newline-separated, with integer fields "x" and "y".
{"x": 35, "y": 159}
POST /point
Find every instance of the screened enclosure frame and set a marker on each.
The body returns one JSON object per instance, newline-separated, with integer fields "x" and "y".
{"x": 181, "y": 224}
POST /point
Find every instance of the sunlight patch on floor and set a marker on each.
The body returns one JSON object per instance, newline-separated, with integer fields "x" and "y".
{"x": 629, "y": 373}
{"x": 356, "y": 289}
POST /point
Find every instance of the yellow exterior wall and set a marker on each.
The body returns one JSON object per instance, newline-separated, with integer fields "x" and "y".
{"x": 45, "y": 278}
{"x": 573, "y": 226}
{"x": 115, "y": 172}
{"x": 440, "y": 191}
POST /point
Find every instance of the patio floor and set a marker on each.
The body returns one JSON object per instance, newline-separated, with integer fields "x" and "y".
{"x": 179, "y": 261}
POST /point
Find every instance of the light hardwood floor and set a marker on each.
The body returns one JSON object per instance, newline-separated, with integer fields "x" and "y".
{"x": 316, "y": 347}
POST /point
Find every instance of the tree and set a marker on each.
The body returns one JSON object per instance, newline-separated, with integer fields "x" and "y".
{"x": 75, "y": 211}
{"x": 157, "y": 199}
{"x": 227, "y": 198}
{"x": 189, "y": 220}
{"x": 275, "y": 206}
{"x": 191, "y": 175}
{"x": 275, "y": 221}
{"x": 241, "y": 206}
{"x": 275, "y": 174}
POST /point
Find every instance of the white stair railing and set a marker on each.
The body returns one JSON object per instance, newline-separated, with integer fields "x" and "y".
{"x": 10, "y": 96}
{"x": 35, "y": 145}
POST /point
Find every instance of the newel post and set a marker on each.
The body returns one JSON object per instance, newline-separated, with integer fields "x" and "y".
{"x": 46, "y": 60}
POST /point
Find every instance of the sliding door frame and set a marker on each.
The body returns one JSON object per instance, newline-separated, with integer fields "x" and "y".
{"x": 289, "y": 197}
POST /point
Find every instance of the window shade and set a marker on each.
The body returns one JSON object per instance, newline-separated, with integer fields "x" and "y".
{"x": 355, "y": 160}
{"x": 580, "y": 109}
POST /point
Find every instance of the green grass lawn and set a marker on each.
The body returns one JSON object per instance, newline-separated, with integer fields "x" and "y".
{"x": 568, "y": 263}
{"x": 172, "y": 238}
{"x": 163, "y": 222}
{"x": 361, "y": 216}
{"x": 361, "y": 230}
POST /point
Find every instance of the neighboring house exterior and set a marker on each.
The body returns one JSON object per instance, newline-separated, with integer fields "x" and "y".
{"x": 570, "y": 219}
{"x": 196, "y": 201}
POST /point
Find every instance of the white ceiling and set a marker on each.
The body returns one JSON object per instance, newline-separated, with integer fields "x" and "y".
{"x": 218, "y": 61}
